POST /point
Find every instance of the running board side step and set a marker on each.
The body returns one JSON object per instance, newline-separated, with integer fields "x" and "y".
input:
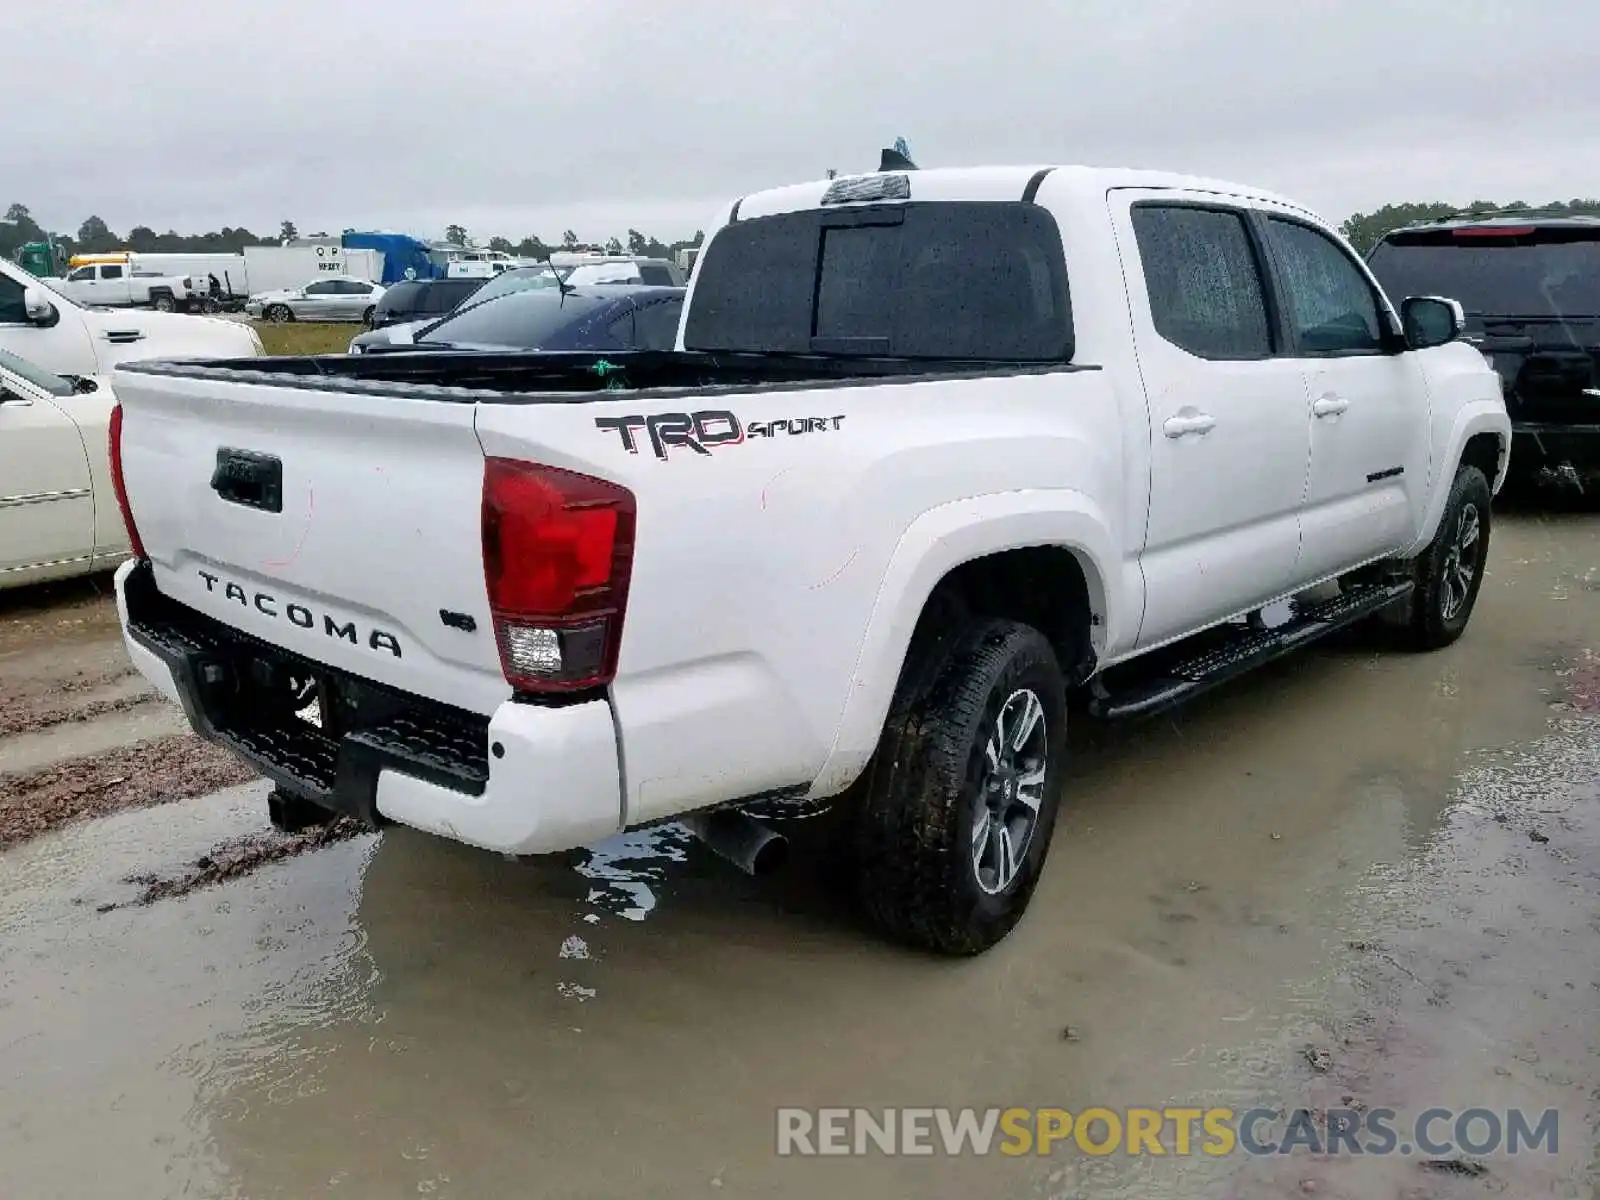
{"x": 1244, "y": 651}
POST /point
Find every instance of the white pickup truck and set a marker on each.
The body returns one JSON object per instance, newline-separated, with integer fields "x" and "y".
{"x": 935, "y": 448}
{"x": 123, "y": 285}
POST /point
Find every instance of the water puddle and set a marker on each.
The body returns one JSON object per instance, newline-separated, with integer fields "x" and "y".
{"x": 629, "y": 867}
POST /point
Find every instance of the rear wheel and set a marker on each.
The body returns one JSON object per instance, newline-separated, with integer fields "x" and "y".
{"x": 960, "y": 801}
{"x": 366, "y": 317}
{"x": 162, "y": 302}
{"x": 279, "y": 314}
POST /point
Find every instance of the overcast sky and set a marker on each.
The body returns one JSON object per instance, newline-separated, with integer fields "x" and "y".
{"x": 534, "y": 117}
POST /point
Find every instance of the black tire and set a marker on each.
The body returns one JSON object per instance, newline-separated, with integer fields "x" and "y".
{"x": 162, "y": 302}
{"x": 279, "y": 314}
{"x": 366, "y": 317}
{"x": 916, "y": 852}
{"x": 1447, "y": 577}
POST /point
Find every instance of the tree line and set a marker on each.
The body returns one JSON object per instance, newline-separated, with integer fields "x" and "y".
{"x": 19, "y": 227}
{"x": 94, "y": 235}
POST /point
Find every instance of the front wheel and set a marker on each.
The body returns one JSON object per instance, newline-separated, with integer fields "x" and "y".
{"x": 960, "y": 801}
{"x": 279, "y": 314}
{"x": 1449, "y": 573}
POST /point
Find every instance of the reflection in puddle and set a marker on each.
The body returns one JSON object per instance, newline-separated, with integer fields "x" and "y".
{"x": 626, "y": 865}
{"x": 574, "y": 947}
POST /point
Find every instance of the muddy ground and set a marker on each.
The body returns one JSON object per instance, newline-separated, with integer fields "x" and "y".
{"x": 1358, "y": 880}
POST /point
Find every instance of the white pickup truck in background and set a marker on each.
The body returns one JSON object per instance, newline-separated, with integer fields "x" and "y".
{"x": 936, "y": 448}
{"x": 124, "y": 285}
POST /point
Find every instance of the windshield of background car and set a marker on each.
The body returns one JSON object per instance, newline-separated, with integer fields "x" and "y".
{"x": 1525, "y": 273}
{"x": 524, "y": 320}
{"x": 520, "y": 280}
{"x": 969, "y": 280}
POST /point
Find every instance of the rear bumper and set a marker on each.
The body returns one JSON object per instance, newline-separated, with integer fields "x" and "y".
{"x": 528, "y": 780}
{"x": 1543, "y": 443}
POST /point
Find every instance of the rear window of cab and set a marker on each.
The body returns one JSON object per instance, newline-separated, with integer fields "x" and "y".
{"x": 947, "y": 280}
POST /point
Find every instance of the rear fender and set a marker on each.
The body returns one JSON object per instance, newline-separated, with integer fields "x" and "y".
{"x": 937, "y": 542}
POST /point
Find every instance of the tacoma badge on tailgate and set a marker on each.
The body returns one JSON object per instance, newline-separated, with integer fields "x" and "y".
{"x": 299, "y": 615}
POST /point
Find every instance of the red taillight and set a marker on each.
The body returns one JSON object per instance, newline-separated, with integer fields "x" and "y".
{"x": 557, "y": 553}
{"x": 1489, "y": 231}
{"x": 118, "y": 486}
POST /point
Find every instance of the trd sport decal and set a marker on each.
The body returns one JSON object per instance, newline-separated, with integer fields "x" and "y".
{"x": 702, "y": 432}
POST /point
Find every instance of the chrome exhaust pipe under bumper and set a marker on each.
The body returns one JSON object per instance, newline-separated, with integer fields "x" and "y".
{"x": 741, "y": 839}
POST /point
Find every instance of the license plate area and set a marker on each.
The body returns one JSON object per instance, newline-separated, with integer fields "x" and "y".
{"x": 259, "y": 700}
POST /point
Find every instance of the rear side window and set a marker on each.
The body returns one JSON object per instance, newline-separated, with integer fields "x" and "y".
{"x": 1203, "y": 279}
{"x": 656, "y": 275}
{"x": 403, "y": 297}
{"x": 447, "y": 294}
{"x": 949, "y": 280}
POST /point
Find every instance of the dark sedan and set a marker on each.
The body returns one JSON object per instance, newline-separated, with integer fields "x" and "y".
{"x": 601, "y": 317}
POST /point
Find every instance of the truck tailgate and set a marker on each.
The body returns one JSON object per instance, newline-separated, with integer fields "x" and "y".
{"x": 342, "y": 526}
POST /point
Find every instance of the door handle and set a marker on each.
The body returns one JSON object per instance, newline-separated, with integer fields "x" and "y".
{"x": 1330, "y": 406}
{"x": 1191, "y": 422}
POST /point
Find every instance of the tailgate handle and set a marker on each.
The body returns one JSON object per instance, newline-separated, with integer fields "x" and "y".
{"x": 248, "y": 478}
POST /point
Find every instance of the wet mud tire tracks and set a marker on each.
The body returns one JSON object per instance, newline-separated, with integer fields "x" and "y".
{"x": 156, "y": 772}
{"x": 32, "y": 722}
{"x": 238, "y": 857}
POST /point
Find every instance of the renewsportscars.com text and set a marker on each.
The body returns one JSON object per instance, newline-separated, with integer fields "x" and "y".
{"x": 1434, "y": 1132}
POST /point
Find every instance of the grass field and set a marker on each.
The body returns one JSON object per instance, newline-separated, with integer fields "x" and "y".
{"x": 305, "y": 337}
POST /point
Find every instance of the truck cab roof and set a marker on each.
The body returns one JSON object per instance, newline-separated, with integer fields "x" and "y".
{"x": 992, "y": 183}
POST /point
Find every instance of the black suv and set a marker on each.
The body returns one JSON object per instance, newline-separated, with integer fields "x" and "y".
{"x": 1530, "y": 285}
{"x": 422, "y": 299}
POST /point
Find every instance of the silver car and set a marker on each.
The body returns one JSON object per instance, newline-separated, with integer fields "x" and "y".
{"x": 341, "y": 299}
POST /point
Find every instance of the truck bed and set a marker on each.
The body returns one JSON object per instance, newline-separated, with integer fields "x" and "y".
{"x": 535, "y": 377}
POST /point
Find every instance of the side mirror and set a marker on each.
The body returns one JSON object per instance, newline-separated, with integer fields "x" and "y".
{"x": 37, "y": 308}
{"x": 1431, "y": 321}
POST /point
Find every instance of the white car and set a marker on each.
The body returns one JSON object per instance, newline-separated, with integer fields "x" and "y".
{"x": 935, "y": 450}
{"x": 330, "y": 299}
{"x": 56, "y": 334}
{"x": 58, "y": 511}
